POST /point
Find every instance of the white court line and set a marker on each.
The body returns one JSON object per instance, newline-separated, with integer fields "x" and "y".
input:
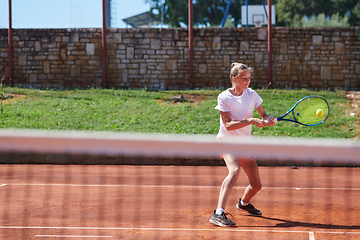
{"x": 177, "y": 229}
{"x": 71, "y": 236}
{"x": 311, "y": 236}
{"x": 309, "y": 188}
{"x": 2, "y": 185}
{"x": 168, "y": 186}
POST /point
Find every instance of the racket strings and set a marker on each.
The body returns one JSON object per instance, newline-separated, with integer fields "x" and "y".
{"x": 311, "y": 111}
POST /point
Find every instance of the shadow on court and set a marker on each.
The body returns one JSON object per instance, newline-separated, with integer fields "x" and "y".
{"x": 290, "y": 224}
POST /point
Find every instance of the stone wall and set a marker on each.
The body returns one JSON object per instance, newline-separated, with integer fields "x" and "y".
{"x": 317, "y": 58}
{"x": 314, "y": 58}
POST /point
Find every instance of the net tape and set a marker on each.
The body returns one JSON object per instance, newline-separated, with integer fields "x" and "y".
{"x": 105, "y": 143}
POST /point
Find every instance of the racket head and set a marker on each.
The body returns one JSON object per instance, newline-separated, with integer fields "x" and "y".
{"x": 311, "y": 111}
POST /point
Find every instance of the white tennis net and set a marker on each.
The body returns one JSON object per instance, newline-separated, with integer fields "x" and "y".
{"x": 72, "y": 184}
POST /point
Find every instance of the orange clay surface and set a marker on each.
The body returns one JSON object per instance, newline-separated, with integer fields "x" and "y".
{"x": 174, "y": 202}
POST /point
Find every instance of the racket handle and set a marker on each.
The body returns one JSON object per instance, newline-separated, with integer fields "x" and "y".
{"x": 275, "y": 120}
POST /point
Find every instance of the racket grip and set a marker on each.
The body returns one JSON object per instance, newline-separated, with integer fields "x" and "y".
{"x": 275, "y": 120}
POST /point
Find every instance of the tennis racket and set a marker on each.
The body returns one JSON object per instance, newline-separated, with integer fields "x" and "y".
{"x": 308, "y": 111}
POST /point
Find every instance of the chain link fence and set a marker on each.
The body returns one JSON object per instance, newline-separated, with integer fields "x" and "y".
{"x": 174, "y": 13}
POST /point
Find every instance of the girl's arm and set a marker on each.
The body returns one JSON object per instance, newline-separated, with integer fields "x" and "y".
{"x": 236, "y": 124}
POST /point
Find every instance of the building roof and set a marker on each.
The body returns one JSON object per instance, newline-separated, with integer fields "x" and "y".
{"x": 142, "y": 20}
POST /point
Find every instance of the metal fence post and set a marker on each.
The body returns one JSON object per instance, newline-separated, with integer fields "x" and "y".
{"x": 269, "y": 44}
{"x": 10, "y": 44}
{"x": 191, "y": 35}
{"x": 104, "y": 68}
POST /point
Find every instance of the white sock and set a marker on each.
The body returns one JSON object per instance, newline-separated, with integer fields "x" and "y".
{"x": 219, "y": 211}
{"x": 244, "y": 203}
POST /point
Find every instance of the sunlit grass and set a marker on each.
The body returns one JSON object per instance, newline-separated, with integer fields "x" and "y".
{"x": 152, "y": 112}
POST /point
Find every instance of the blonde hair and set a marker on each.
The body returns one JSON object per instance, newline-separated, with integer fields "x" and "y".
{"x": 236, "y": 68}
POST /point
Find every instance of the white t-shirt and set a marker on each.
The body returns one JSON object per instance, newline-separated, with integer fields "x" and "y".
{"x": 240, "y": 107}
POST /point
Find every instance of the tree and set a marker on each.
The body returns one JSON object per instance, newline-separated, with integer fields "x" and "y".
{"x": 290, "y": 12}
{"x": 350, "y": 7}
{"x": 322, "y": 21}
{"x": 205, "y": 12}
{"x": 209, "y": 12}
{"x": 175, "y": 11}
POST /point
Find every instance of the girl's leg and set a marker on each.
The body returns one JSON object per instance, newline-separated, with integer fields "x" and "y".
{"x": 251, "y": 170}
{"x": 227, "y": 185}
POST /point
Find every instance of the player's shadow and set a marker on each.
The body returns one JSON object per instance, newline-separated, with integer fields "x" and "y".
{"x": 288, "y": 223}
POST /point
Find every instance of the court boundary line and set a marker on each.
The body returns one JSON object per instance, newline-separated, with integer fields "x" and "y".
{"x": 71, "y": 236}
{"x": 311, "y": 236}
{"x": 166, "y": 186}
{"x": 180, "y": 229}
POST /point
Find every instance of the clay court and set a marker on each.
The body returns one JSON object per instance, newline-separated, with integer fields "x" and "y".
{"x": 174, "y": 202}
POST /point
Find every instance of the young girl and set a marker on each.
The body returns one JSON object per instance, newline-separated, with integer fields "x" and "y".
{"x": 236, "y": 106}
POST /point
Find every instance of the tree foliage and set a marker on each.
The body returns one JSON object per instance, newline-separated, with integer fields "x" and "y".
{"x": 175, "y": 11}
{"x": 322, "y": 21}
{"x": 209, "y": 13}
{"x": 291, "y": 12}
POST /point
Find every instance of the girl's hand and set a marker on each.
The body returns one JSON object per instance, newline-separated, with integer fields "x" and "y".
{"x": 270, "y": 121}
{"x": 258, "y": 122}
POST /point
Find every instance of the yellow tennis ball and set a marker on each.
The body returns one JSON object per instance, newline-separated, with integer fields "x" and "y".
{"x": 319, "y": 112}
